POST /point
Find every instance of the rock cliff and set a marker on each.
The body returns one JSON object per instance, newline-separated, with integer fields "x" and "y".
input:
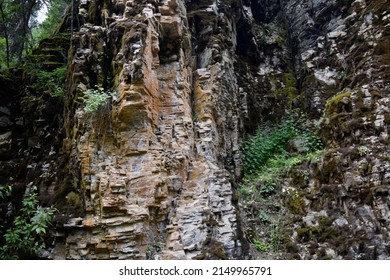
{"x": 153, "y": 173}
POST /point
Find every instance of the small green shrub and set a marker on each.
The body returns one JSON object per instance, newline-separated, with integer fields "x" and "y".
{"x": 271, "y": 240}
{"x": 264, "y": 217}
{"x": 363, "y": 150}
{"x": 260, "y": 245}
{"x": 275, "y": 233}
{"x": 25, "y": 236}
{"x": 154, "y": 249}
{"x": 51, "y": 82}
{"x": 267, "y": 156}
{"x": 5, "y": 191}
{"x": 270, "y": 173}
{"x": 95, "y": 98}
{"x": 267, "y": 142}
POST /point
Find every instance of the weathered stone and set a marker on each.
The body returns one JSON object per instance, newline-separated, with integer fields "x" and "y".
{"x": 170, "y": 174}
{"x": 156, "y": 167}
{"x": 5, "y": 143}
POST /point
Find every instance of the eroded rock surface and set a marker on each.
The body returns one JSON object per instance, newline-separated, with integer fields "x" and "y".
{"x": 157, "y": 164}
{"x": 335, "y": 208}
{"x": 153, "y": 173}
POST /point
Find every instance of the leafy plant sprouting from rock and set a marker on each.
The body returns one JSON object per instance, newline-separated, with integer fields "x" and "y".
{"x": 153, "y": 249}
{"x": 5, "y": 191}
{"x": 95, "y": 98}
{"x": 98, "y": 110}
{"x": 272, "y": 151}
{"x": 51, "y": 82}
{"x": 269, "y": 155}
{"x": 25, "y": 236}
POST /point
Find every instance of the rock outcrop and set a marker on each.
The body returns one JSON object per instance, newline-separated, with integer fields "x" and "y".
{"x": 335, "y": 208}
{"x": 153, "y": 172}
{"x": 154, "y": 178}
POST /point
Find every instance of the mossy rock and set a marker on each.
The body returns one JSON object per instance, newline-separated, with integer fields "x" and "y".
{"x": 285, "y": 89}
{"x": 334, "y": 105}
{"x": 290, "y": 245}
{"x": 57, "y": 42}
{"x": 306, "y": 233}
{"x": 387, "y": 118}
{"x": 289, "y": 80}
{"x": 73, "y": 200}
{"x": 298, "y": 179}
{"x": 324, "y": 221}
{"x": 295, "y": 203}
{"x": 321, "y": 255}
{"x": 331, "y": 166}
{"x": 215, "y": 250}
{"x": 51, "y": 65}
{"x": 66, "y": 198}
{"x": 38, "y": 58}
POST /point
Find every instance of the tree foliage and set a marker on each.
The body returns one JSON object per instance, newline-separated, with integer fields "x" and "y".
{"x": 19, "y": 22}
{"x": 56, "y": 10}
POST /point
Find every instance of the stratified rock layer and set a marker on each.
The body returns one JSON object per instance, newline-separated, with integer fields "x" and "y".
{"x": 153, "y": 178}
{"x": 158, "y": 162}
{"x": 152, "y": 174}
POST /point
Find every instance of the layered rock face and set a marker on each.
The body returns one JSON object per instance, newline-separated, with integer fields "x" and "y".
{"x": 154, "y": 161}
{"x": 158, "y": 162}
{"x": 344, "y": 58}
{"x": 338, "y": 207}
{"x": 153, "y": 172}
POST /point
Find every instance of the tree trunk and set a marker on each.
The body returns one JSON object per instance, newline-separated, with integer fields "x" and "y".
{"x": 5, "y": 33}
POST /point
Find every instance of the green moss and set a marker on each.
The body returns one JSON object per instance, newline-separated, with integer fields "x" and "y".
{"x": 38, "y": 58}
{"x": 281, "y": 39}
{"x": 369, "y": 199}
{"x": 387, "y": 118}
{"x": 324, "y": 222}
{"x": 73, "y": 200}
{"x": 330, "y": 166}
{"x": 289, "y": 80}
{"x": 306, "y": 233}
{"x": 290, "y": 89}
{"x": 218, "y": 251}
{"x": 329, "y": 234}
{"x": 291, "y": 247}
{"x": 55, "y": 46}
{"x": 295, "y": 203}
{"x": 331, "y": 107}
{"x": 285, "y": 92}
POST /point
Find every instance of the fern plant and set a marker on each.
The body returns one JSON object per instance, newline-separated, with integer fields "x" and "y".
{"x": 266, "y": 157}
{"x": 267, "y": 142}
